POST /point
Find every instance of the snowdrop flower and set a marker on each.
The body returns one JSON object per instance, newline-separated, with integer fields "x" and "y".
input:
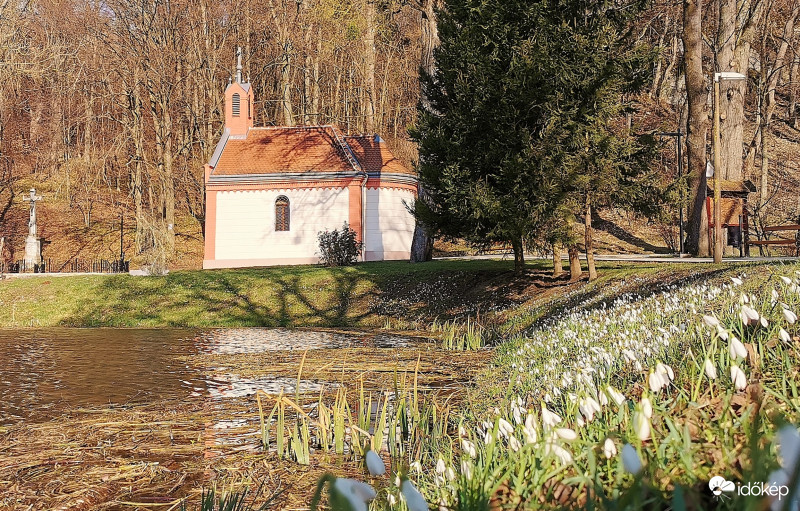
{"x": 603, "y": 399}
{"x": 641, "y": 424}
{"x": 737, "y": 349}
{"x": 505, "y": 428}
{"x": 391, "y": 499}
{"x": 630, "y": 460}
{"x": 529, "y": 430}
{"x": 559, "y": 452}
{"x": 514, "y": 444}
{"x": 356, "y": 493}
{"x": 655, "y": 381}
{"x": 736, "y": 281}
{"x": 789, "y": 316}
{"x": 468, "y": 447}
{"x": 784, "y": 335}
{"x": 609, "y": 449}
{"x": 462, "y": 431}
{"x": 647, "y": 407}
{"x": 786, "y": 280}
{"x": 738, "y": 377}
{"x": 764, "y": 322}
{"x": 375, "y": 464}
{"x": 566, "y": 434}
{"x": 416, "y": 466}
{"x": 450, "y": 474}
{"x": 710, "y": 369}
{"x": 549, "y": 419}
{"x": 615, "y": 395}
{"x": 466, "y": 469}
{"x": 414, "y": 499}
{"x": 440, "y": 466}
{"x": 588, "y": 406}
{"x": 774, "y": 296}
{"x": 749, "y": 316}
{"x": 722, "y": 333}
{"x": 789, "y": 449}
{"x": 710, "y": 321}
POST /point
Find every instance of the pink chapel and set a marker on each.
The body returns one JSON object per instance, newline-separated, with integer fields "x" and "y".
{"x": 271, "y": 190}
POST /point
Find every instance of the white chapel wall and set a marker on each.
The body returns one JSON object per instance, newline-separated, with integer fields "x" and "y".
{"x": 245, "y": 227}
{"x": 389, "y": 225}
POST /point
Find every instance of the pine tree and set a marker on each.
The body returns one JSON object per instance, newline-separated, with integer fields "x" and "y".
{"x": 523, "y": 104}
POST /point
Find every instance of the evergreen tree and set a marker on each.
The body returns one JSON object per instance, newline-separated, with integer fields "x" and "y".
{"x": 523, "y": 101}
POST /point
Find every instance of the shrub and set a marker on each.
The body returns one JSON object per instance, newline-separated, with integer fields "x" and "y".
{"x": 339, "y": 247}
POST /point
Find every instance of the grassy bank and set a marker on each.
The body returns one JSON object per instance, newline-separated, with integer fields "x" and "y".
{"x": 395, "y": 295}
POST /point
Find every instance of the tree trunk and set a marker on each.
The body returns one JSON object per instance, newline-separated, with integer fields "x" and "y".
{"x": 794, "y": 76}
{"x": 575, "y": 271}
{"x": 589, "y": 237}
{"x": 696, "y": 126}
{"x": 764, "y": 184}
{"x": 369, "y": 65}
{"x": 422, "y": 243}
{"x": 286, "y": 85}
{"x": 731, "y": 93}
{"x": 558, "y": 265}
{"x": 519, "y": 256}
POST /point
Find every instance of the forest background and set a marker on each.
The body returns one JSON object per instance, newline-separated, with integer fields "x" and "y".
{"x": 111, "y": 108}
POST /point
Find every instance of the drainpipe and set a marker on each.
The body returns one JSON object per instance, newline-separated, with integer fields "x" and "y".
{"x": 364, "y": 216}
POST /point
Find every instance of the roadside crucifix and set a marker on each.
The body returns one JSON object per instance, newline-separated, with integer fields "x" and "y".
{"x": 33, "y": 199}
{"x": 33, "y": 245}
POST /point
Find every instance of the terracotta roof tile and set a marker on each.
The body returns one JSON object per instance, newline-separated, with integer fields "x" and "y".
{"x": 274, "y": 150}
{"x": 374, "y": 155}
{"x": 303, "y": 149}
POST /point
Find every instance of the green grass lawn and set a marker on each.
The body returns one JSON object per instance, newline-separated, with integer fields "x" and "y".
{"x": 396, "y": 295}
{"x": 287, "y": 296}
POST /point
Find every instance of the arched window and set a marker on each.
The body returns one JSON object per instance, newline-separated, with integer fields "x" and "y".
{"x": 282, "y": 213}
{"x": 235, "y": 105}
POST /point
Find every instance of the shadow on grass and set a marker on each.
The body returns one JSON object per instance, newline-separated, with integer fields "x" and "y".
{"x": 294, "y": 296}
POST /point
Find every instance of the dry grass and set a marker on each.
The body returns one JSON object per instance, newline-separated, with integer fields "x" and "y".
{"x": 153, "y": 456}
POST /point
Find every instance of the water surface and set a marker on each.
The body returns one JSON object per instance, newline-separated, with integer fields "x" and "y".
{"x": 45, "y": 372}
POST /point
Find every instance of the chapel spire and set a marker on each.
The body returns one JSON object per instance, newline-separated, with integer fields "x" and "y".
{"x": 238, "y": 102}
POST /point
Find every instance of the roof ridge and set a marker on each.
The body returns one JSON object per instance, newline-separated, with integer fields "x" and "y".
{"x": 346, "y": 150}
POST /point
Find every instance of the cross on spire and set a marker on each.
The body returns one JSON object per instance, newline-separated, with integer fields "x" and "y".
{"x": 238, "y": 64}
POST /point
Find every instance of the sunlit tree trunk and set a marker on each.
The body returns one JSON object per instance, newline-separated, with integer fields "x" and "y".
{"x": 589, "y": 239}
{"x": 697, "y": 126}
{"x": 575, "y": 271}
{"x": 558, "y": 266}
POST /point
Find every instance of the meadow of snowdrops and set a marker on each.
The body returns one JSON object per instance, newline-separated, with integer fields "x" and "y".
{"x": 633, "y": 404}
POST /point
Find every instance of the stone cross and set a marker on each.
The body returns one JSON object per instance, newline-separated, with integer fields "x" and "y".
{"x": 33, "y": 199}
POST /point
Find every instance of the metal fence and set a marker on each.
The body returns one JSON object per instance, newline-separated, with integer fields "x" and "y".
{"x": 69, "y": 266}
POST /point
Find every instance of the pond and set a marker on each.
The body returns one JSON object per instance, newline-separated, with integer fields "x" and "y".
{"x": 105, "y": 418}
{"x": 45, "y": 372}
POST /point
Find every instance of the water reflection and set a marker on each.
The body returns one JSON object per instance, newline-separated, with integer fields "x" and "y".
{"x": 44, "y": 372}
{"x": 232, "y": 341}
{"x": 231, "y": 385}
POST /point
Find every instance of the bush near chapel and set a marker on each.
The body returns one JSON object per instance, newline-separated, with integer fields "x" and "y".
{"x": 339, "y": 247}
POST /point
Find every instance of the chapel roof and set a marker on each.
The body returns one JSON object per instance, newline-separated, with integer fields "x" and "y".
{"x": 302, "y": 149}
{"x": 374, "y": 155}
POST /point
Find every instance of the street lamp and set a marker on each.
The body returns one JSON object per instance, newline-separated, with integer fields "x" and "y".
{"x": 717, "y": 190}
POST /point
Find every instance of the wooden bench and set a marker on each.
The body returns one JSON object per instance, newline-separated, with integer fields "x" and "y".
{"x": 787, "y": 242}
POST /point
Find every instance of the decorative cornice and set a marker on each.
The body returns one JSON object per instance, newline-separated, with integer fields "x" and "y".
{"x": 289, "y": 177}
